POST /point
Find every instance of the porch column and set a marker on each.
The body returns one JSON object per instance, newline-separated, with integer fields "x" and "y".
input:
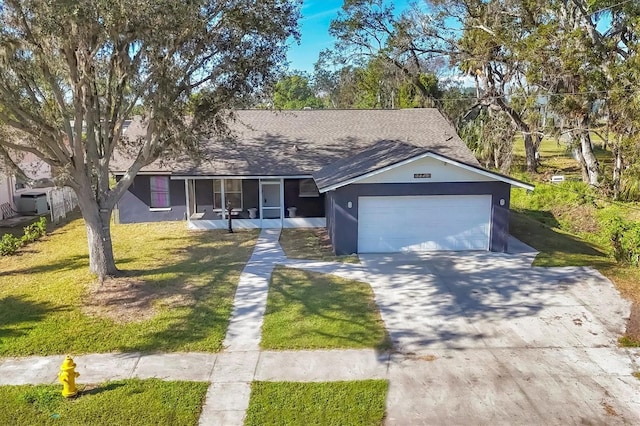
{"x": 187, "y": 199}
{"x": 282, "y": 203}
{"x": 260, "y": 205}
{"x": 222, "y": 200}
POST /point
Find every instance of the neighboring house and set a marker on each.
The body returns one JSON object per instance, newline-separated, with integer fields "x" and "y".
{"x": 378, "y": 180}
{"x": 7, "y": 188}
{"x": 22, "y": 197}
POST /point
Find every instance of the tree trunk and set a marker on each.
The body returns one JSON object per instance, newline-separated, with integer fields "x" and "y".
{"x": 530, "y": 153}
{"x": 98, "y": 224}
{"x": 617, "y": 169}
{"x": 529, "y": 144}
{"x": 590, "y": 160}
{"x": 577, "y": 154}
{"x": 229, "y": 216}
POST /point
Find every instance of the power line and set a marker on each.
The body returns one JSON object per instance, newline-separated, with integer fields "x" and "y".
{"x": 544, "y": 95}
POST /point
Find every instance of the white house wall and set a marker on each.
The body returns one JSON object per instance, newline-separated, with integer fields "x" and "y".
{"x": 439, "y": 170}
{"x": 6, "y": 189}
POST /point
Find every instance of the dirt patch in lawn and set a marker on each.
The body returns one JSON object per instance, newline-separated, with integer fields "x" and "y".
{"x": 131, "y": 299}
{"x": 578, "y": 219}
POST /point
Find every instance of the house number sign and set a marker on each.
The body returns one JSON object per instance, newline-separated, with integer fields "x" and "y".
{"x": 421, "y": 175}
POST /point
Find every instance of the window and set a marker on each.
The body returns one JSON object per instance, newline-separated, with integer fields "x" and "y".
{"x": 20, "y": 183}
{"x": 232, "y": 192}
{"x": 160, "y": 192}
{"x": 308, "y": 188}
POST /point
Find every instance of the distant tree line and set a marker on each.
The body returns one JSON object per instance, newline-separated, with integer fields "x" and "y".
{"x": 568, "y": 69}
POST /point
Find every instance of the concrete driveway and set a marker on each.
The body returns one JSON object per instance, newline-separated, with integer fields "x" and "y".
{"x": 484, "y": 338}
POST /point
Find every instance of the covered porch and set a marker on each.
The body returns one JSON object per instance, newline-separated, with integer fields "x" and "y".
{"x": 256, "y": 202}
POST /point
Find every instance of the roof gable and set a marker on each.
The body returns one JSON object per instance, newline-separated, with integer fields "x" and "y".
{"x": 370, "y": 163}
{"x": 425, "y": 169}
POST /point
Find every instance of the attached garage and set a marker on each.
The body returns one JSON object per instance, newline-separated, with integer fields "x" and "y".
{"x": 424, "y": 223}
{"x": 396, "y": 197}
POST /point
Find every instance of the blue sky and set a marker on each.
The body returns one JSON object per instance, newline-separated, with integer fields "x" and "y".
{"x": 314, "y": 27}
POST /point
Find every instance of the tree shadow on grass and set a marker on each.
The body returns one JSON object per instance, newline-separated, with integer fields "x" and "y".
{"x": 188, "y": 288}
{"x": 66, "y": 264}
{"x": 556, "y": 248}
{"x": 17, "y": 313}
{"x": 334, "y": 302}
{"x": 195, "y": 287}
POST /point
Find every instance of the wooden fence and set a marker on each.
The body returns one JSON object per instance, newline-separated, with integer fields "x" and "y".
{"x": 61, "y": 202}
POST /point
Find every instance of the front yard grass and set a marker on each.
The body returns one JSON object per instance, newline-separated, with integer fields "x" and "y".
{"x": 309, "y": 310}
{"x": 124, "y": 402}
{"x": 556, "y": 247}
{"x": 177, "y": 293}
{"x": 311, "y": 244}
{"x": 327, "y": 403}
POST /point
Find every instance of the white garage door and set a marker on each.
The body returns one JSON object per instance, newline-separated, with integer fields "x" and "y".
{"x": 423, "y": 223}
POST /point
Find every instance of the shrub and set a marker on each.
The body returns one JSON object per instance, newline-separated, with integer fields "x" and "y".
{"x": 35, "y": 231}
{"x": 9, "y": 245}
{"x": 546, "y": 196}
{"x": 625, "y": 239}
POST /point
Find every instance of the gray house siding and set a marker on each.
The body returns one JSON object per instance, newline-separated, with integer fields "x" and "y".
{"x": 204, "y": 198}
{"x": 306, "y": 206}
{"x": 329, "y": 202}
{"x": 343, "y": 225}
{"x": 250, "y": 198}
{"x": 134, "y": 206}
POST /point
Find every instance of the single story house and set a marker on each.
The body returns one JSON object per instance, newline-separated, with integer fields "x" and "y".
{"x": 378, "y": 180}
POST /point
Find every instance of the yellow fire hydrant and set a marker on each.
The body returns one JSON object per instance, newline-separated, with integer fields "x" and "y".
{"x": 67, "y": 377}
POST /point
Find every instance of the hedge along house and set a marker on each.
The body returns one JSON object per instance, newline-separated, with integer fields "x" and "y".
{"x": 378, "y": 180}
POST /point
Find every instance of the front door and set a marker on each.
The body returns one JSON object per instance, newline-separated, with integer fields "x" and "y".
{"x": 271, "y": 205}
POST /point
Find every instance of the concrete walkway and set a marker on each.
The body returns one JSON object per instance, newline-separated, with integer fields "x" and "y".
{"x": 250, "y": 301}
{"x": 228, "y": 396}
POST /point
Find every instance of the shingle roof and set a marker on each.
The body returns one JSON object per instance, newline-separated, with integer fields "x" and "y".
{"x": 289, "y": 143}
{"x": 375, "y": 157}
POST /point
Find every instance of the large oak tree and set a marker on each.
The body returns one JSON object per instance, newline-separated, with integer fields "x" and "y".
{"x": 74, "y": 70}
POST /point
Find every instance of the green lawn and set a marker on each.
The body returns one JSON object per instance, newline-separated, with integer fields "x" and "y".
{"x": 556, "y": 159}
{"x": 177, "y": 295}
{"x": 311, "y": 244}
{"x": 308, "y": 310}
{"x": 557, "y": 248}
{"x": 328, "y": 403}
{"x": 124, "y": 402}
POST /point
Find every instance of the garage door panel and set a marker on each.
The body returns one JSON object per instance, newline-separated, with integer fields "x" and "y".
{"x": 423, "y": 223}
